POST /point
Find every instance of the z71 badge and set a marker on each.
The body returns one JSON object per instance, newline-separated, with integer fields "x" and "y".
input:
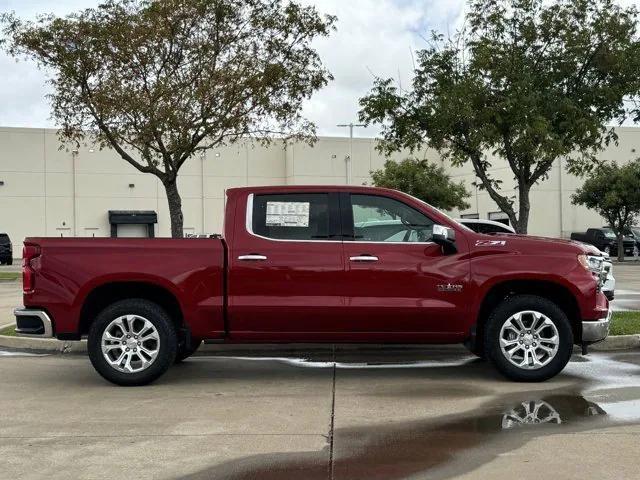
{"x": 491, "y": 243}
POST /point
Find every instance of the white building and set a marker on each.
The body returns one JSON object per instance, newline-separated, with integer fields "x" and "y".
{"x": 45, "y": 191}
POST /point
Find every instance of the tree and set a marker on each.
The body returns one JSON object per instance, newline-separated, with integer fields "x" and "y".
{"x": 423, "y": 180}
{"x": 527, "y": 81}
{"x": 160, "y": 81}
{"x": 614, "y": 192}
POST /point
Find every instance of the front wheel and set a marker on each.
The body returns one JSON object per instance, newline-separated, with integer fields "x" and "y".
{"x": 132, "y": 342}
{"x": 528, "y": 338}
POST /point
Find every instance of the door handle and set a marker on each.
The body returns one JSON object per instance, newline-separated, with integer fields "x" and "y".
{"x": 254, "y": 257}
{"x": 364, "y": 258}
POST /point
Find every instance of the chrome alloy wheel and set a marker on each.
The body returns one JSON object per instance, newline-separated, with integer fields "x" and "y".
{"x": 130, "y": 343}
{"x": 529, "y": 340}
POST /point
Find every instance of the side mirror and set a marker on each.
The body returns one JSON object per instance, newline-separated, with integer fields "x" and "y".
{"x": 445, "y": 237}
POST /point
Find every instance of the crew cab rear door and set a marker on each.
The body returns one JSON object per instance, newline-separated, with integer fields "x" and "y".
{"x": 397, "y": 280}
{"x": 286, "y": 266}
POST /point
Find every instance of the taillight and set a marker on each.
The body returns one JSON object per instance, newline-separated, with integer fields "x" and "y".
{"x": 30, "y": 262}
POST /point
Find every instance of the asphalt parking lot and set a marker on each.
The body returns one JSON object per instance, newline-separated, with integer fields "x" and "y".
{"x": 627, "y": 286}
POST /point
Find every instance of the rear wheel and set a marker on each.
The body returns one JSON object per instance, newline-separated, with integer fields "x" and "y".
{"x": 132, "y": 342}
{"x": 528, "y": 338}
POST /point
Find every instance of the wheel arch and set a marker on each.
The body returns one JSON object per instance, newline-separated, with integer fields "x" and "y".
{"x": 550, "y": 290}
{"x": 106, "y": 294}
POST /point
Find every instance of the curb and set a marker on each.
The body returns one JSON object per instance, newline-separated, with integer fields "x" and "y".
{"x": 52, "y": 345}
{"x": 618, "y": 342}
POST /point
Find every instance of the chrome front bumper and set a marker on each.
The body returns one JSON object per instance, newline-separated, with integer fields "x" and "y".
{"x": 597, "y": 330}
{"x": 33, "y": 323}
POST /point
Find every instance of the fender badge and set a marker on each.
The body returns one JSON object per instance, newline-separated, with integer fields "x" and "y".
{"x": 450, "y": 287}
{"x": 491, "y": 243}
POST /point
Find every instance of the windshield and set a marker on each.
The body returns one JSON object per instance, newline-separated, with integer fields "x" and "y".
{"x": 609, "y": 233}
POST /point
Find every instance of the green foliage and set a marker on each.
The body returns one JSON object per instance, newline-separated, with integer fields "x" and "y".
{"x": 527, "y": 81}
{"x": 160, "y": 81}
{"x": 423, "y": 180}
{"x": 625, "y": 323}
{"x": 9, "y": 331}
{"x": 614, "y": 192}
{"x": 10, "y": 275}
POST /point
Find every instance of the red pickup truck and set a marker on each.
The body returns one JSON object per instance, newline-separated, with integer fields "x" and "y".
{"x": 317, "y": 264}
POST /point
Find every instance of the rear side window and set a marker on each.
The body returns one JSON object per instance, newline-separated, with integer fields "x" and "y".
{"x": 291, "y": 216}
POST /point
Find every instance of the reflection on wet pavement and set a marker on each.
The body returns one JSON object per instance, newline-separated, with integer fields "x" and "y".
{"x": 603, "y": 391}
{"x": 7, "y": 353}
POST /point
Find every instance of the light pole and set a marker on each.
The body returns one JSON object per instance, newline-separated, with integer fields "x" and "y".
{"x": 350, "y": 157}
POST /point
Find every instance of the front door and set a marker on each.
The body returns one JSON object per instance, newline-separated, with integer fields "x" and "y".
{"x": 398, "y": 282}
{"x": 286, "y": 268}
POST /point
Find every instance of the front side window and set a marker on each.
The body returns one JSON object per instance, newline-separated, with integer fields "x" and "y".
{"x": 383, "y": 219}
{"x": 291, "y": 216}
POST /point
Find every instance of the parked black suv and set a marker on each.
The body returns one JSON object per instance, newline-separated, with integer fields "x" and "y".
{"x": 604, "y": 239}
{"x": 6, "y": 249}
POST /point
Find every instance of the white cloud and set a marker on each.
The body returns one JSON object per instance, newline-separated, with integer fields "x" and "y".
{"x": 23, "y": 88}
{"x": 373, "y": 37}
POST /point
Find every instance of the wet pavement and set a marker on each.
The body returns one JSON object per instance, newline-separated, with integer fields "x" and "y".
{"x": 627, "y": 286}
{"x": 367, "y": 413}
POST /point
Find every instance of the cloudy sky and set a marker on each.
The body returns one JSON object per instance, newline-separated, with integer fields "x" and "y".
{"x": 373, "y": 37}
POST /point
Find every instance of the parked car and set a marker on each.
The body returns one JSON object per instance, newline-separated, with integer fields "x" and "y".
{"x": 485, "y": 226}
{"x": 634, "y": 232}
{"x": 307, "y": 264}
{"x": 609, "y": 285}
{"x": 6, "y": 249}
{"x": 604, "y": 239}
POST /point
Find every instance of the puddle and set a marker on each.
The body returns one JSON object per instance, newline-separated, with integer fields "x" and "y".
{"x": 460, "y": 443}
{"x": 5, "y": 353}
{"x": 594, "y": 392}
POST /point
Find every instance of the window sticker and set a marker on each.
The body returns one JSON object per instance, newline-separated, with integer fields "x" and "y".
{"x": 288, "y": 214}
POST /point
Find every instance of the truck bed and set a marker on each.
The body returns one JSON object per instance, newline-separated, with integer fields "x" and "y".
{"x": 68, "y": 269}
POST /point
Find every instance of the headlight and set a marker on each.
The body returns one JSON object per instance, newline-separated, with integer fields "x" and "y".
{"x": 592, "y": 263}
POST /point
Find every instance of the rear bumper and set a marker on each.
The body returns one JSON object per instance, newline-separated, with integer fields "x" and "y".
{"x": 597, "y": 330}
{"x": 31, "y": 322}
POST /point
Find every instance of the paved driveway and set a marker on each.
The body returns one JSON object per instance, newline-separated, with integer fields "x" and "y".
{"x": 388, "y": 413}
{"x": 10, "y": 298}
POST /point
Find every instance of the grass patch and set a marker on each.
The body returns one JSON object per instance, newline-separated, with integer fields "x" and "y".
{"x": 10, "y": 275}
{"x": 625, "y": 323}
{"x": 8, "y": 331}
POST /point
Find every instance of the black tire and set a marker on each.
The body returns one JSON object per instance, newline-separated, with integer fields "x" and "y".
{"x": 184, "y": 353}
{"x": 10, "y": 261}
{"x": 166, "y": 332}
{"x": 519, "y": 303}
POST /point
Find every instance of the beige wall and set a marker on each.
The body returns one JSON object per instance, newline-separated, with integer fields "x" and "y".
{"x": 552, "y": 213}
{"x": 53, "y": 192}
